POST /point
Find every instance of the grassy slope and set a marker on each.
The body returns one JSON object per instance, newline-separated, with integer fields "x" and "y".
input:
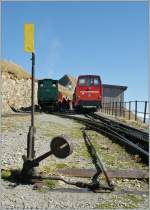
{"x": 14, "y": 70}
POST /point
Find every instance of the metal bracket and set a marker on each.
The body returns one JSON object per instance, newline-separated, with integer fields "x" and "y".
{"x": 59, "y": 147}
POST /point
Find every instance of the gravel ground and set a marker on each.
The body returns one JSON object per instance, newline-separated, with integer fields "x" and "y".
{"x": 128, "y": 193}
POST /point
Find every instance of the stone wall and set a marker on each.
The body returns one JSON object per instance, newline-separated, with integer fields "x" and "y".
{"x": 16, "y": 93}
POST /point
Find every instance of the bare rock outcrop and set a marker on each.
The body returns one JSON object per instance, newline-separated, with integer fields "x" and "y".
{"x": 15, "y": 88}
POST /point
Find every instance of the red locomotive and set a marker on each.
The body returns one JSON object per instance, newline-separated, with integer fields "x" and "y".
{"x": 88, "y": 92}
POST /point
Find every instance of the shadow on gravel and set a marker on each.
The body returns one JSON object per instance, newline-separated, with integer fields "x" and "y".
{"x": 118, "y": 192}
{"x": 26, "y": 109}
{"x": 11, "y": 176}
{"x": 21, "y": 111}
{"x": 71, "y": 190}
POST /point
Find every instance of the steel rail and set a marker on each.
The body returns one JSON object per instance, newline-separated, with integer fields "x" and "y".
{"x": 142, "y": 135}
{"x": 128, "y": 133}
{"x": 107, "y": 131}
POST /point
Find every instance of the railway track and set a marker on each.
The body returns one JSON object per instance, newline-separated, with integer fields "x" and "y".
{"x": 140, "y": 134}
{"x": 137, "y": 136}
{"x": 109, "y": 130}
{"x": 134, "y": 140}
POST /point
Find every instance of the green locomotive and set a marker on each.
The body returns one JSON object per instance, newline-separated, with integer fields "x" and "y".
{"x": 48, "y": 94}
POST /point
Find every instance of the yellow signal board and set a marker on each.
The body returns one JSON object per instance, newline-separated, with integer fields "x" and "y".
{"x": 29, "y": 37}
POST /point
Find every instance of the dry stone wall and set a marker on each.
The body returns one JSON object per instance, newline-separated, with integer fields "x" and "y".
{"x": 16, "y": 93}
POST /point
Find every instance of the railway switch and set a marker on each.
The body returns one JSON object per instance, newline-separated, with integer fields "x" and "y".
{"x": 59, "y": 147}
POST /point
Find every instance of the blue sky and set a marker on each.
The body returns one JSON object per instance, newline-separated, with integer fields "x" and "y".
{"x": 105, "y": 38}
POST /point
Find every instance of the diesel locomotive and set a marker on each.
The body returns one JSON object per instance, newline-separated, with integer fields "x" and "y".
{"x": 48, "y": 94}
{"x": 88, "y": 93}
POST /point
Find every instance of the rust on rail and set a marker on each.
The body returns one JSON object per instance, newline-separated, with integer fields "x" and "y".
{"x": 113, "y": 173}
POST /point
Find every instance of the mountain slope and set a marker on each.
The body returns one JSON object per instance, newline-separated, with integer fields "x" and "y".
{"x": 14, "y": 70}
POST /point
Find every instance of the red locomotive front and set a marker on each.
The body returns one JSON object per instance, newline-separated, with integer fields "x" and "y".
{"x": 88, "y": 92}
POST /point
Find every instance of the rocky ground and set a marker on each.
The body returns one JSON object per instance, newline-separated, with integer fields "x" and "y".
{"x": 128, "y": 193}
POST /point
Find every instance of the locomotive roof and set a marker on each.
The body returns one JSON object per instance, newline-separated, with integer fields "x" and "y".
{"x": 48, "y": 79}
{"x": 88, "y": 75}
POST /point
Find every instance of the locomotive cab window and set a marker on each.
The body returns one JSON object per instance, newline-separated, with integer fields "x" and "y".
{"x": 89, "y": 81}
{"x": 54, "y": 84}
{"x": 96, "y": 82}
{"x": 41, "y": 84}
{"x": 82, "y": 82}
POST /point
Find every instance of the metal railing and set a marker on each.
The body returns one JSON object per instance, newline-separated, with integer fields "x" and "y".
{"x": 135, "y": 110}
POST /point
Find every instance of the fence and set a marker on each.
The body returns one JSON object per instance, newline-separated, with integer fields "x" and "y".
{"x": 130, "y": 110}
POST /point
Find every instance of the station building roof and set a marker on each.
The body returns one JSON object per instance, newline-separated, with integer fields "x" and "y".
{"x": 115, "y": 86}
